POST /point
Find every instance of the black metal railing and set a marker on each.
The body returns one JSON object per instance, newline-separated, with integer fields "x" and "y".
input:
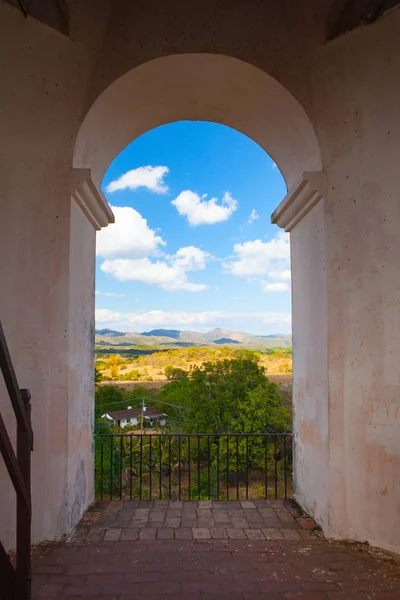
{"x": 15, "y": 584}
{"x": 193, "y": 466}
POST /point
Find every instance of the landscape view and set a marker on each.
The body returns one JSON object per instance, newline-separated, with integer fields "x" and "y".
{"x": 249, "y": 380}
{"x": 193, "y": 341}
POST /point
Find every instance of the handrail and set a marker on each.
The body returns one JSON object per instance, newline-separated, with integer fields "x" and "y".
{"x": 186, "y": 466}
{"x": 10, "y": 380}
{"x": 17, "y": 582}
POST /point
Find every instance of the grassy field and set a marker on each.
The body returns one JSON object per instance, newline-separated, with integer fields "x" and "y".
{"x": 150, "y": 368}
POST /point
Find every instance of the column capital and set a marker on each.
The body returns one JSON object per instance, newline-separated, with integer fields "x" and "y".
{"x": 89, "y": 198}
{"x": 300, "y": 200}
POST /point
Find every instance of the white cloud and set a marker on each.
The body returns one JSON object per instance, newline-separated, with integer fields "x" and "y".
{"x": 284, "y": 275}
{"x": 264, "y": 258}
{"x": 174, "y": 318}
{"x": 130, "y": 236}
{"x": 258, "y": 258}
{"x": 190, "y": 258}
{"x": 128, "y": 245}
{"x": 253, "y": 216}
{"x": 106, "y": 315}
{"x": 204, "y": 212}
{"x": 109, "y": 294}
{"x": 149, "y": 177}
{"x": 275, "y": 286}
{"x": 169, "y": 274}
{"x": 201, "y": 321}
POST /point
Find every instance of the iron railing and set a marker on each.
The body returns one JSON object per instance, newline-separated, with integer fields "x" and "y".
{"x": 181, "y": 466}
{"x": 16, "y": 582}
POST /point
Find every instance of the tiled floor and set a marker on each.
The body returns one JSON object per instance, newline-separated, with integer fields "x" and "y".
{"x": 208, "y": 551}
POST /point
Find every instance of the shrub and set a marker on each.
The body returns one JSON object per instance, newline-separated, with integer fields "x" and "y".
{"x": 115, "y": 360}
{"x": 114, "y": 371}
{"x": 132, "y": 375}
{"x": 174, "y": 373}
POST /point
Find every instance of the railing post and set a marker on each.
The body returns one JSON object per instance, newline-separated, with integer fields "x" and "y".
{"x": 24, "y": 512}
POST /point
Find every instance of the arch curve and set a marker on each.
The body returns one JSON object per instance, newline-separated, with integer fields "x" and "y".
{"x": 206, "y": 87}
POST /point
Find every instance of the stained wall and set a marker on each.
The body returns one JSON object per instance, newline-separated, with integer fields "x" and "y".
{"x": 346, "y": 249}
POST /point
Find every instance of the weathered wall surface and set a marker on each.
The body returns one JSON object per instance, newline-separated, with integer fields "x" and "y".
{"x": 361, "y": 139}
{"x": 43, "y": 91}
{"x": 310, "y": 362}
{"x": 346, "y": 368}
{"x": 80, "y": 470}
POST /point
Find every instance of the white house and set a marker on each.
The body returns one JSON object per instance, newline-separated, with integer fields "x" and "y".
{"x": 130, "y": 416}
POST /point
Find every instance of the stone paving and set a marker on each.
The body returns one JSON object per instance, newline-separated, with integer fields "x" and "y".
{"x": 207, "y": 550}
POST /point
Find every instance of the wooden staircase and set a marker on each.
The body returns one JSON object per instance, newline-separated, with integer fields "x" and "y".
{"x": 15, "y": 583}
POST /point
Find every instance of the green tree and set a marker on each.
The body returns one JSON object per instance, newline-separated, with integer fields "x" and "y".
{"x": 97, "y": 375}
{"x": 108, "y": 397}
{"x": 174, "y": 373}
{"x": 228, "y": 396}
{"x": 219, "y": 392}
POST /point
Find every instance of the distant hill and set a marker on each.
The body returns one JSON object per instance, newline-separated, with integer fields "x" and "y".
{"x": 226, "y": 341}
{"x": 171, "y": 333}
{"x": 108, "y": 332}
{"x": 174, "y": 338}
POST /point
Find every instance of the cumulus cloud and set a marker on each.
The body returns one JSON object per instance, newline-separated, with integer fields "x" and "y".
{"x": 190, "y": 258}
{"x": 253, "y": 217}
{"x": 284, "y": 275}
{"x": 194, "y": 320}
{"x": 129, "y": 245}
{"x": 106, "y": 315}
{"x": 200, "y": 211}
{"x": 258, "y": 258}
{"x": 109, "y": 294}
{"x": 159, "y": 318}
{"x": 271, "y": 259}
{"x": 129, "y": 236}
{"x": 148, "y": 177}
{"x": 275, "y": 286}
{"x": 169, "y": 274}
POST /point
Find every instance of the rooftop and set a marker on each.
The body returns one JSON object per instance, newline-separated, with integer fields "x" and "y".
{"x": 130, "y": 413}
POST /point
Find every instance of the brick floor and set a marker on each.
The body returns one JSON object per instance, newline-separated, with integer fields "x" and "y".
{"x": 248, "y": 551}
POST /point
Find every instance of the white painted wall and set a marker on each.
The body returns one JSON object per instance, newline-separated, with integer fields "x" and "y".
{"x": 310, "y": 362}
{"x": 341, "y": 100}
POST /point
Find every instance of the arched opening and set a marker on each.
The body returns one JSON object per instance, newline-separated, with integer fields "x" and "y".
{"x": 193, "y": 276}
{"x": 213, "y": 88}
{"x": 204, "y": 87}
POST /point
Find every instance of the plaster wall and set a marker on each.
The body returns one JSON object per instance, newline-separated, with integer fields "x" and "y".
{"x": 43, "y": 92}
{"x": 346, "y": 369}
{"x": 310, "y": 361}
{"x": 80, "y": 468}
{"x": 361, "y": 82}
{"x": 355, "y": 89}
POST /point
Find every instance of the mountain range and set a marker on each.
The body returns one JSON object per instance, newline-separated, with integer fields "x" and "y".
{"x": 176, "y": 338}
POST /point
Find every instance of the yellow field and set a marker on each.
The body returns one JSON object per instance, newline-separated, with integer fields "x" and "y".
{"x": 151, "y": 368}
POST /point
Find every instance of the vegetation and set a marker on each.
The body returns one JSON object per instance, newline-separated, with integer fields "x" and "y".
{"x": 174, "y": 364}
{"x": 229, "y": 396}
{"x": 111, "y": 397}
{"x": 175, "y": 373}
{"x": 223, "y": 397}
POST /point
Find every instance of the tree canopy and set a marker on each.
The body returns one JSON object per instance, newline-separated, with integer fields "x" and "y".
{"x": 229, "y": 396}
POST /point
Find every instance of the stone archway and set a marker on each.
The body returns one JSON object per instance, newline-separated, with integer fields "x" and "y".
{"x": 59, "y": 134}
{"x": 205, "y": 87}
{"x": 226, "y": 90}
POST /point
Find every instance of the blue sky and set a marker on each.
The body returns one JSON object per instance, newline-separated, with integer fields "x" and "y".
{"x": 192, "y": 246}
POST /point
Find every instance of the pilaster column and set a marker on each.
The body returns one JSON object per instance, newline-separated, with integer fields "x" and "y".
{"x": 302, "y": 213}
